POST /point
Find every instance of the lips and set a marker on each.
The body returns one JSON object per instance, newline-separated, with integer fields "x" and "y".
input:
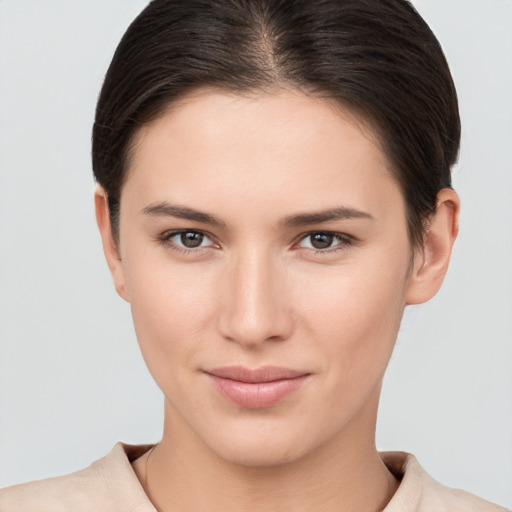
{"x": 256, "y": 389}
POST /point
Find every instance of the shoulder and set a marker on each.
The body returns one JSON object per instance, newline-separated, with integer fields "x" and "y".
{"x": 418, "y": 492}
{"x": 70, "y": 492}
{"x": 108, "y": 484}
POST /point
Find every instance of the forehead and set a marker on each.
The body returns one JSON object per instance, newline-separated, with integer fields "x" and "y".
{"x": 278, "y": 111}
{"x": 283, "y": 147}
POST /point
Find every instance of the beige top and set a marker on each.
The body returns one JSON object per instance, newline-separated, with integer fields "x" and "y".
{"x": 110, "y": 485}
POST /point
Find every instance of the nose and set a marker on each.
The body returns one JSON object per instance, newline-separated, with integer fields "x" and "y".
{"x": 253, "y": 301}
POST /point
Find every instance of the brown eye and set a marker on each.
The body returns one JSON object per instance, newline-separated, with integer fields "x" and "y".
{"x": 321, "y": 240}
{"x": 187, "y": 241}
{"x": 325, "y": 241}
{"x": 191, "y": 239}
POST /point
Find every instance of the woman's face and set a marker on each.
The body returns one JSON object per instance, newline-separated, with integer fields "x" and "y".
{"x": 265, "y": 254}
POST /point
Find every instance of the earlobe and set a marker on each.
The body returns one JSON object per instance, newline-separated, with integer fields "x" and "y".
{"x": 432, "y": 259}
{"x": 110, "y": 246}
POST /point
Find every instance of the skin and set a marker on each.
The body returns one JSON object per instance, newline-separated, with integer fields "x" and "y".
{"x": 256, "y": 292}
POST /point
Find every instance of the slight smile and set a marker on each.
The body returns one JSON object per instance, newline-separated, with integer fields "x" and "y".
{"x": 256, "y": 389}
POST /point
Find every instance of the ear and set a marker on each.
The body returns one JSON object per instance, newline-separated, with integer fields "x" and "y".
{"x": 432, "y": 259}
{"x": 110, "y": 246}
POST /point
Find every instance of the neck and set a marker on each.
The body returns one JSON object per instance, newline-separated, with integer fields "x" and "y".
{"x": 344, "y": 474}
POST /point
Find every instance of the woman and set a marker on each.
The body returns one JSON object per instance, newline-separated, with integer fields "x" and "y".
{"x": 274, "y": 189}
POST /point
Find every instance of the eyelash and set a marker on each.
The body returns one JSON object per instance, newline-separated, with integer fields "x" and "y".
{"x": 166, "y": 240}
{"x": 344, "y": 241}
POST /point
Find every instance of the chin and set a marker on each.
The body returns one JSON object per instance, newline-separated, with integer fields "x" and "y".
{"x": 261, "y": 454}
{"x": 261, "y": 444}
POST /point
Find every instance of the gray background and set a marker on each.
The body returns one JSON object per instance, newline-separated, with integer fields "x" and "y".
{"x": 72, "y": 382}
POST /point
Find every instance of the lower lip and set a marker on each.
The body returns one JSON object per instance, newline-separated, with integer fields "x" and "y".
{"x": 257, "y": 395}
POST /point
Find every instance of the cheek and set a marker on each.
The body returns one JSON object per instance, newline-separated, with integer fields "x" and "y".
{"x": 171, "y": 306}
{"x": 355, "y": 316}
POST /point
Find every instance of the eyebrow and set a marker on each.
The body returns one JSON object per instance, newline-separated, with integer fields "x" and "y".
{"x": 331, "y": 214}
{"x": 165, "y": 209}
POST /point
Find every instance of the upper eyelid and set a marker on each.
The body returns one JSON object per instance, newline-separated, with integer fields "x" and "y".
{"x": 166, "y": 236}
{"x": 173, "y": 232}
{"x": 340, "y": 235}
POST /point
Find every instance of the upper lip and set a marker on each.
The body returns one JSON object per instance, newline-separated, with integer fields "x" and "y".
{"x": 263, "y": 374}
